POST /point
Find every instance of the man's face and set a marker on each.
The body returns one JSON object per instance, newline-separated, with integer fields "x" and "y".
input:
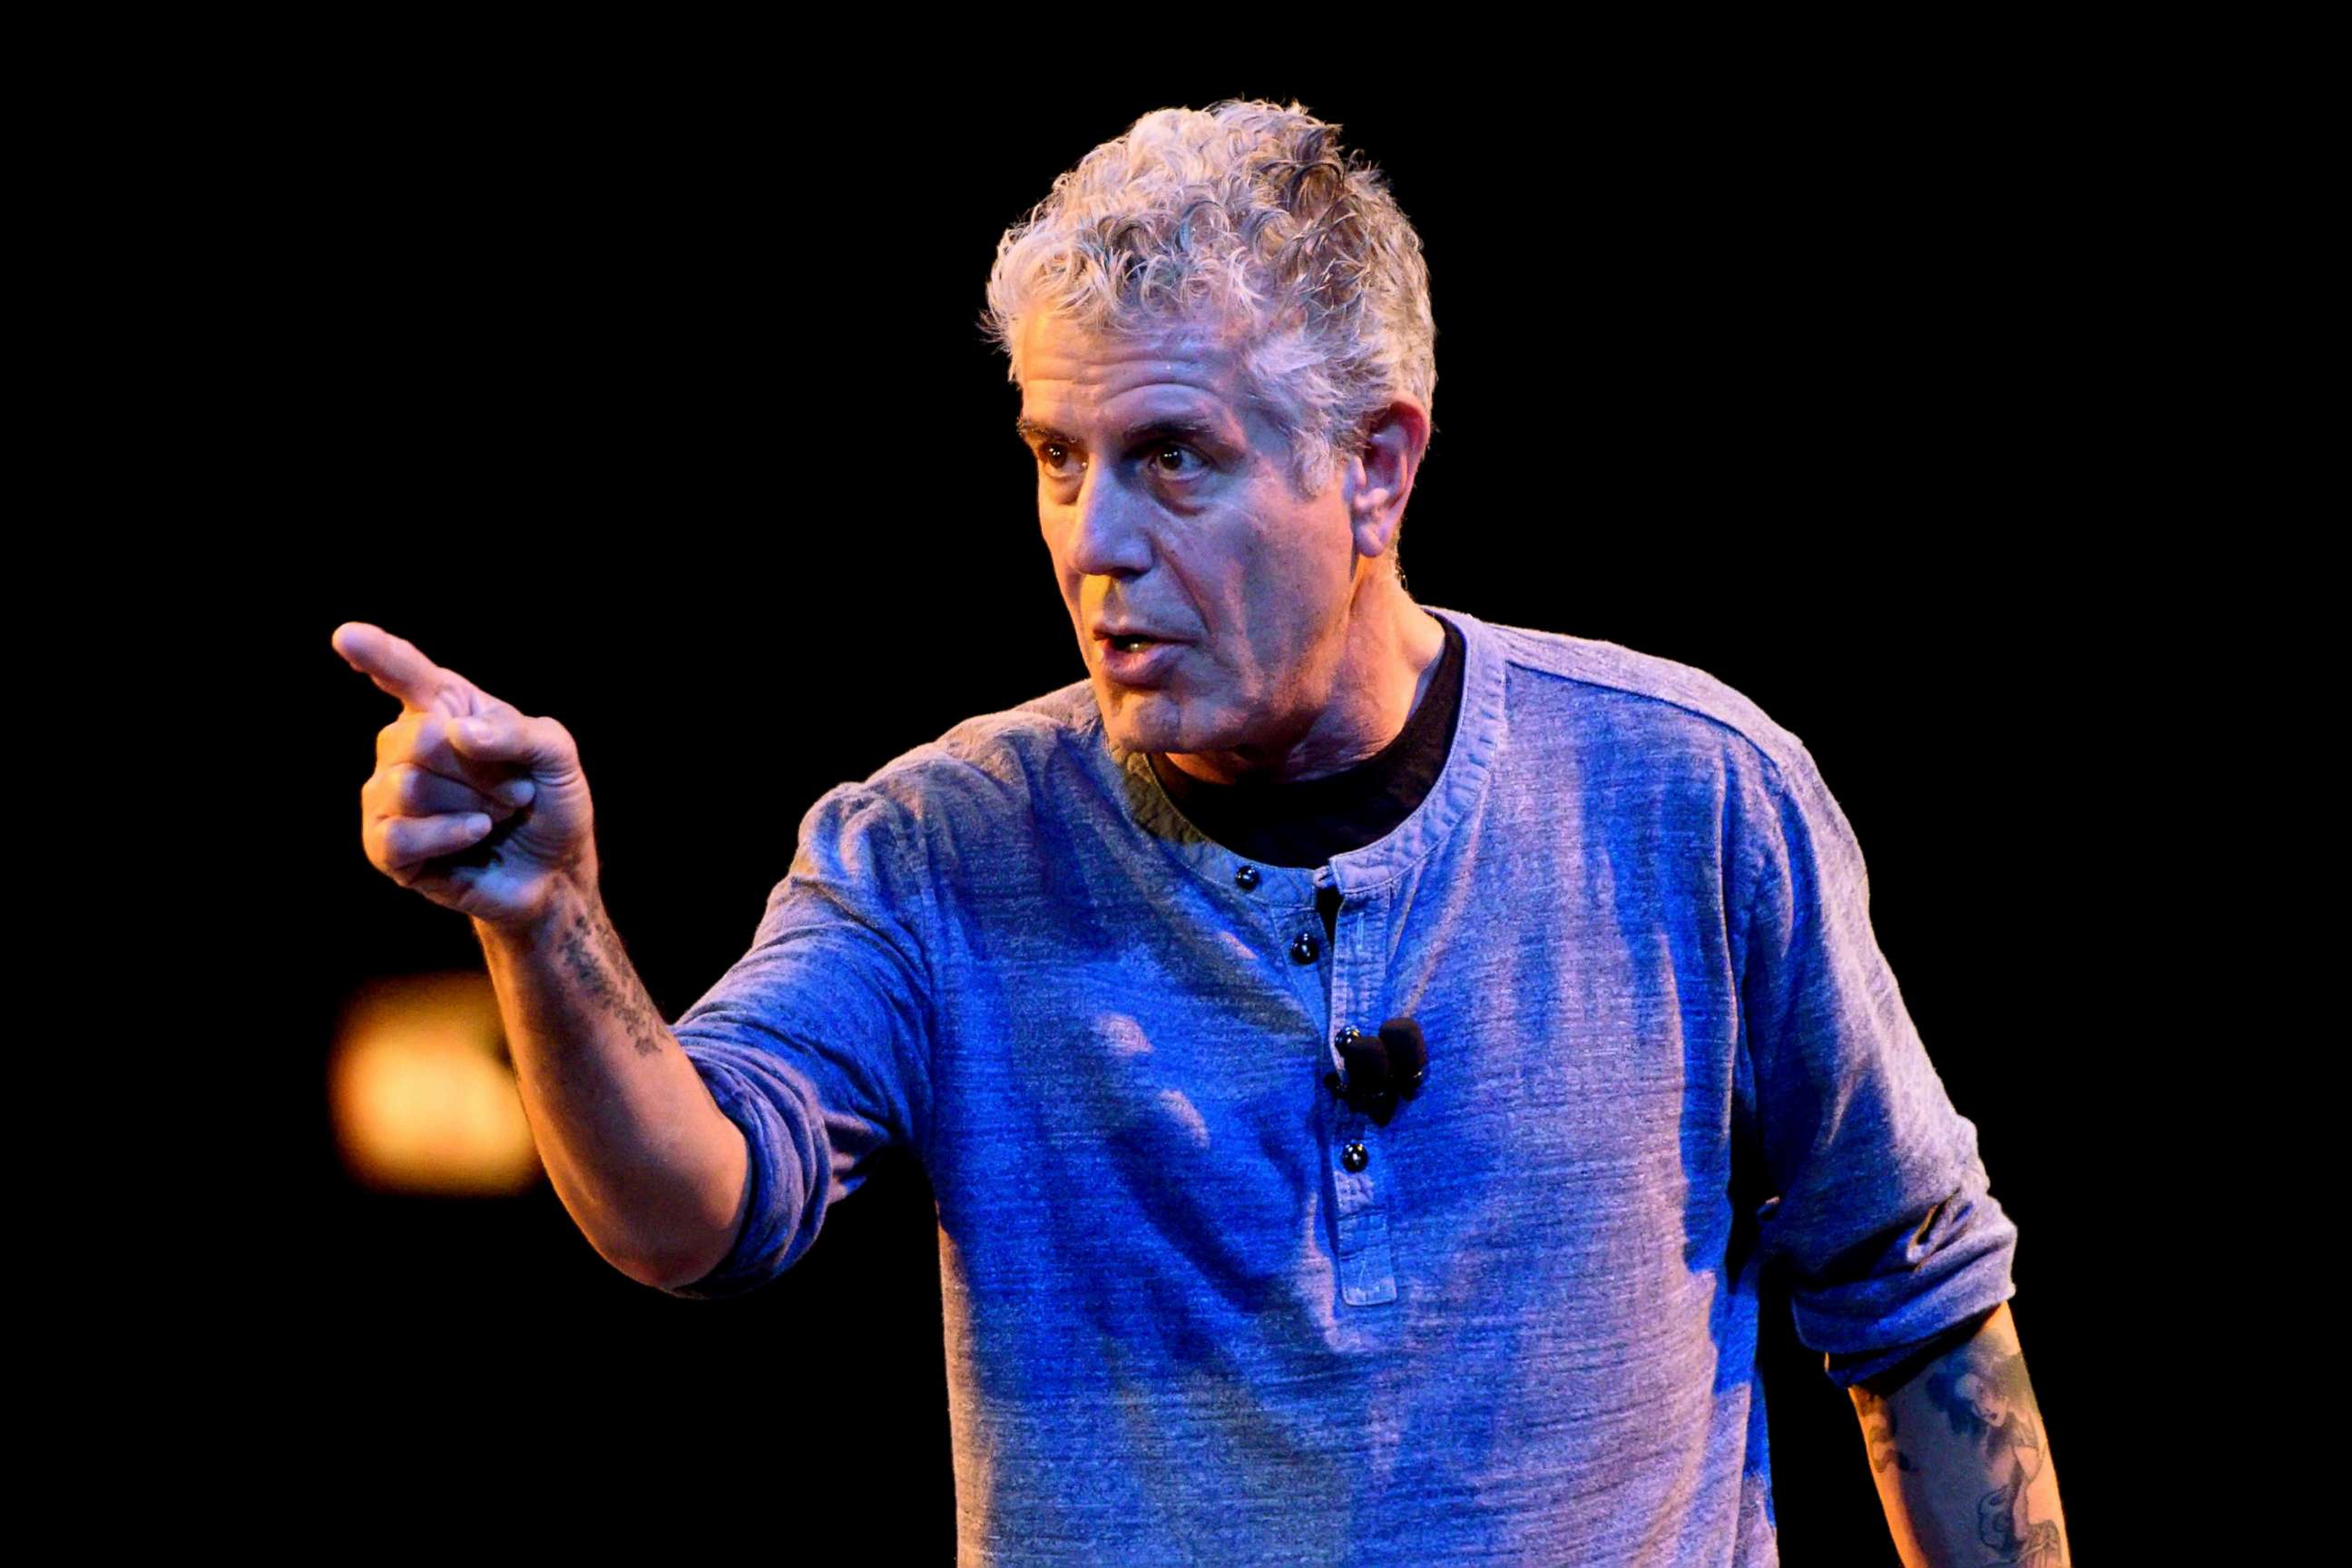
{"x": 1165, "y": 499}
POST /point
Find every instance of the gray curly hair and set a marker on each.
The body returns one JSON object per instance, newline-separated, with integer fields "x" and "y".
{"x": 1250, "y": 212}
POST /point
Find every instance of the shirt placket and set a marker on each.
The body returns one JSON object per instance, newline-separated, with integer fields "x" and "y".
{"x": 1358, "y": 1170}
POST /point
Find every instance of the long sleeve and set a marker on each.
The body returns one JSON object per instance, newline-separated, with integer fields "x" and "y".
{"x": 1880, "y": 1204}
{"x": 817, "y": 1042}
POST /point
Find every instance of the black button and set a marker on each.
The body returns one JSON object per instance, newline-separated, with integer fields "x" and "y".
{"x": 1349, "y": 1035}
{"x": 1304, "y": 947}
{"x": 1247, "y": 879}
{"x": 1355, "y": 1156}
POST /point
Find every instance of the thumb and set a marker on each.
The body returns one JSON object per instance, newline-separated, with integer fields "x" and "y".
{"x": 541, "y": 744}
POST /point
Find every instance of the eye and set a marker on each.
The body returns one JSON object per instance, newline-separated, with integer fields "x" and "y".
{"x": 1171, "y": 461}
{"x": 1056, "y": 459}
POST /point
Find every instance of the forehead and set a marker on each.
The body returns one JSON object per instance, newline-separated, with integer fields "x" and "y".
{"x": 1072, "y": 375}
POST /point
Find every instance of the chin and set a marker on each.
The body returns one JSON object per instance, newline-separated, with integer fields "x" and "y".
{"x": 1148, "y": 720}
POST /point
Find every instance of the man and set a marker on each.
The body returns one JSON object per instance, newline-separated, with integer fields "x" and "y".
{"x": 1361, "y": 1054}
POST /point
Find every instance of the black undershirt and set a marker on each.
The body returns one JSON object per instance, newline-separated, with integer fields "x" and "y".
{"x": 1305, "y": 821}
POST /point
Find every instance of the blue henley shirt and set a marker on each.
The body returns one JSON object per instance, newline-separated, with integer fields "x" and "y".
{"x": 1199, "y": 1308}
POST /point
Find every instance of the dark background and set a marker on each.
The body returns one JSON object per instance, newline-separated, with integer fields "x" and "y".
{"x": 654, "y": 398}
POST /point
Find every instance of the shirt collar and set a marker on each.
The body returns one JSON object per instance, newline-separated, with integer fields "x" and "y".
{"x": 1478, "y": 733}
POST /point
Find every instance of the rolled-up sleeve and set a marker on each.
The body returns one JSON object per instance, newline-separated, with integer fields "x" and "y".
{"x": 1880, "y": 1205}
{"x": 817, "y": 1042}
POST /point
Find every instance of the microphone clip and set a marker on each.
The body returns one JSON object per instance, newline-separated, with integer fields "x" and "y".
{"x": 1380, "y": 1069}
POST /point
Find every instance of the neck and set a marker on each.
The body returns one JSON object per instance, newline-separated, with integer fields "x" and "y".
{"x": 1388, "y": 635}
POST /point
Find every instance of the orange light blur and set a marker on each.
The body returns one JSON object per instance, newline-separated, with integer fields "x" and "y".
{"x": 421, "y": 1095}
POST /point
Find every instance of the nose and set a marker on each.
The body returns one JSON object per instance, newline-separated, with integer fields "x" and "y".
{"x": 1107, "y": 539}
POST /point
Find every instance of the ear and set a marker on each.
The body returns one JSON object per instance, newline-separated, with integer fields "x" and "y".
{"x": 1378, "y": 476}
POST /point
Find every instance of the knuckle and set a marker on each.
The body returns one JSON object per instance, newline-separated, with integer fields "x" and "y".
{"x": 397, "y": 739}
{"x": 407, "y": 840}
{"x": 379, "y": 796}
{"x": 433, "y": 753}
{"x": 416, "y": 793}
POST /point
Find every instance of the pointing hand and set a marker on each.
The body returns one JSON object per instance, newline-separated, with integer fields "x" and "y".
{"x": 474, "y": 803}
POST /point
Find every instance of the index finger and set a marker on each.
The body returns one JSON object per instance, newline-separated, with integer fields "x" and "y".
{"x": 394, "y": 663}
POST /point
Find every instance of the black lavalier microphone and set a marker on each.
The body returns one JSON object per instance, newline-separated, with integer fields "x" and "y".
{"x": 1379, "y": 1068}
{"x": 1408, "y": 1055}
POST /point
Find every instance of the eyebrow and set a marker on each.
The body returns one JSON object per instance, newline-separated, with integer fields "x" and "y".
{"x": 1160, "y": 427}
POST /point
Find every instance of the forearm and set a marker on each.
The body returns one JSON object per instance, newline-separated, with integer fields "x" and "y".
{"x": 1961, "y": 1458}
{"x": 650, "y": 1169}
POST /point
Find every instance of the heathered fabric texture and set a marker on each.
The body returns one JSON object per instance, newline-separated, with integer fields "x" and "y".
{"x": 1631, "y": 923}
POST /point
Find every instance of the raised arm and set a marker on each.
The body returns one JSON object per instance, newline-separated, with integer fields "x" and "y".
{"x": 483, "y": 809}
{"x": 1960, "y": 1455}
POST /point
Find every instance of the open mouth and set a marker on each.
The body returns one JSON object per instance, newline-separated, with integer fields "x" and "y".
{"x": 1133, "y": 659}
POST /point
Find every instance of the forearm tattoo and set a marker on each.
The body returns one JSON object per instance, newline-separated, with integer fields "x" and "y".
{"x": 593, "y": 953}
{"x": 1878, "y": 1431}
{"x": 1986, "y": 1395}
{"x": 1973, "y": 1375}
